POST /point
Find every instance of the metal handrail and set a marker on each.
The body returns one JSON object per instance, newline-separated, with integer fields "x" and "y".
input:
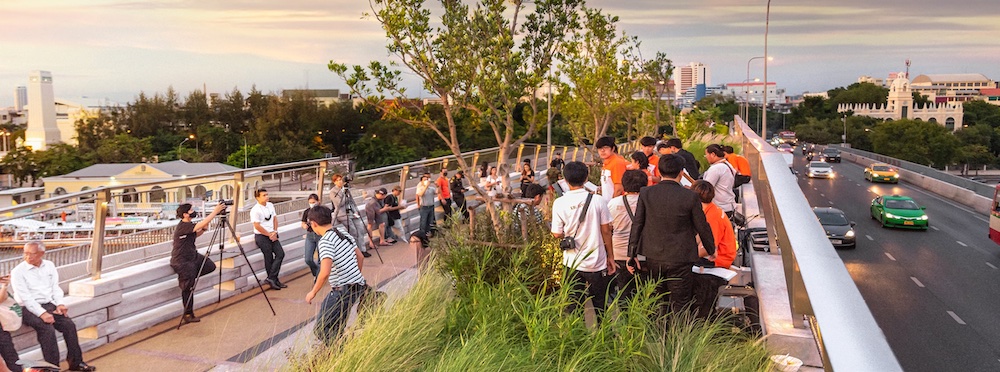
{"x": 819, "y": 286}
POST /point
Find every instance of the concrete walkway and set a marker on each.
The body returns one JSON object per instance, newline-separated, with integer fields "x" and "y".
{"x": 234, "y": 332}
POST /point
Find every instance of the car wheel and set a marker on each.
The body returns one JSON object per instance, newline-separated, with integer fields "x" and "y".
{"x": 882, "y": 220}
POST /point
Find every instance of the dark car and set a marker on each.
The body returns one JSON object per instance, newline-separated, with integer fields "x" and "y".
{"x": 839, "y": 230}
{"x": 831, "y": 156}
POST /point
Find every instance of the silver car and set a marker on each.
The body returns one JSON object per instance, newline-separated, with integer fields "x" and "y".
{"x": 819, "y": 169}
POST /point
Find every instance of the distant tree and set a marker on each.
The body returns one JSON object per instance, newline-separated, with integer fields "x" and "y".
{"x": 232, "y": 113}
{"x": 22, "y": 165}
{"x": 656, "y": 74}
{"x": 123, "y": 148}
{"x": 92, "y": 129}
{"x": 920, "y": 100}
{"x": 253, "y": 155}
{"x": 917, "y": 141}
{"x": 59, "y": 159}
{"x": 196, "y": 114}
{"x": 858, "y": 93}
{"x": 974, "y": 157}
{"x": 373, "y": 152}
{"x": 977, "y": 112}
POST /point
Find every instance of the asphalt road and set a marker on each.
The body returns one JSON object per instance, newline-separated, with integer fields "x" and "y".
{"x": 934, "y": 292}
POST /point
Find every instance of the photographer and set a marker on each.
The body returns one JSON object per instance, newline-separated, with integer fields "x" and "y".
{"x": 185, "y": 259}
{"x": 343, "y": 216}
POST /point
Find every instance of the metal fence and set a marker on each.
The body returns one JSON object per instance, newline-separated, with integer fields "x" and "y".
{"x": 819, "y": 286}
{"x": 97, "y": 204}
{"x": 979, "y": 188}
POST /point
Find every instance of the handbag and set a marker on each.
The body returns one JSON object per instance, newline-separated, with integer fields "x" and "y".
{"x": 10, "y": 314}
{"x": 738, "y": 179}
{"x": 569, "y": 242}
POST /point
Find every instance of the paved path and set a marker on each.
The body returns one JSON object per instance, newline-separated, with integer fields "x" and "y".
{"x": 237, "y": 330}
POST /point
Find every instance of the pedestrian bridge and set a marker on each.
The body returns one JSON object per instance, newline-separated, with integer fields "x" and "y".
{"x": 124, "y": 299}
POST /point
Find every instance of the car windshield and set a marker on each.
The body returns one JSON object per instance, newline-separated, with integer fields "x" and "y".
{"x": 901, "y": 204}
{"x": 881, "y": 168}
{"x": 831, "y": 152}
{"x": 819, "y": 165}
{"x": 831, "y": 218}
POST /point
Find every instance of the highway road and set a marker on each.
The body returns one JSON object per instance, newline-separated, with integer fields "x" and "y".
{"x": 935, "y": 293}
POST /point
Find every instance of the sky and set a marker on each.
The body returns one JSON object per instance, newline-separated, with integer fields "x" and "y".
{"x": 114, "y": 49}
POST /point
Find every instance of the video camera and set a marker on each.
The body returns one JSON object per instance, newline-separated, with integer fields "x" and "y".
{"x": 226, "y": 202}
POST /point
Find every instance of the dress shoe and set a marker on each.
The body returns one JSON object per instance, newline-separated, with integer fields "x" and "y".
{"x": 280, "y": 284}
{"x": 83, "y": 367}
{"x": 190, "y": 318}
{"x": 366, "y": 254}
{"x": 274, "y": 285}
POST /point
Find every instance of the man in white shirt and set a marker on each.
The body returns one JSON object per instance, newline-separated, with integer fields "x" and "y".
{"x": 591, "y": 264}
{"x": 265, "y": 228}
{"x": 36, "y": 289}
{"x": 721, "y": 175}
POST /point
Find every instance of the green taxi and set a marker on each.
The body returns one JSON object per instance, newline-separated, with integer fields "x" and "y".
{"x": 899, "y": 211}
{"x": 881, "y": 172}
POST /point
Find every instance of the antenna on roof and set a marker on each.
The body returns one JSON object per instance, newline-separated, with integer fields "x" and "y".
{"x": 907, "y": 68}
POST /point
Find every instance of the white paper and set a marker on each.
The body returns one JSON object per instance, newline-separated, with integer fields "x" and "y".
{"x": 717, "y": 271}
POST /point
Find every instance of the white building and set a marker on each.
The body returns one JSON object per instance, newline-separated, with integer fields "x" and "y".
{"x": 20, "y": 98}
{"x": 900, "y": 106}
{"x": 42, "y": 128}
{"x": 753, "y": 92}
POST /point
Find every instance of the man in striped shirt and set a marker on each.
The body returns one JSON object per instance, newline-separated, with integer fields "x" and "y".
{"x": 340, "y": 262}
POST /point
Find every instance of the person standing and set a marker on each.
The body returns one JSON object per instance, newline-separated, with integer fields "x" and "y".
{"x": 265, "y": 227}
{"x": 493, "y": 183}
{"x": 311, "y": 238}
{"x": 444, "y": 193}
{"x": 667, "y": 219}
{"x": 395, "y": 203}
{"x": 457, "y": 188}
{"x": 590, "y": 265}
{"x": 614, "y": 167}
{"x": 344, "y": 215}
{"x": 721, "y": 175}
{"x": 706, "y": 286}
{"x": 557, "y": 162}
{"x": 185, "y": 259}
{"x": 527, "y": 177}
{"x": 375, "y": 215}
{"x": 426, "y": 194}
{"x": 640, "y": 162}
{"x": 648, "y": 143}
{"x": 691, "y": 165}
{"x": 7, "y": 350}
{"x": 622, "y": 211}
{"x": 36, "y": 289}
{"x": 340, "y": 264}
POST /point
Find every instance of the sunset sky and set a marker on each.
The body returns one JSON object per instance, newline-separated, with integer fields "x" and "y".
{"x": 113, "y": 49}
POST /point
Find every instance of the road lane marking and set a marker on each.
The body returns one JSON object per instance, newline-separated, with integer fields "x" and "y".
{"x": 963, "y": 244}
{"x": 955, "y": 316}
{"x": 859, "y": 184}
{"x": 870, "y": 237}
{"x": 935, "y": 228}
{"x": 831, "y": 202}
{"x": 822, "y": 194}
{"x": 991, "y": 265}
{"x": 815, "y": 189}
{"x": 890, "y": 256}
{"x": 915, "y": 280}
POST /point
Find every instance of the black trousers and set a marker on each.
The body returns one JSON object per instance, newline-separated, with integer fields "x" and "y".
{"x": 446, "y": 206}
{"x": 677, "y": 285}
{"x": 625, "y": 282}
{"x": 273, "y": 254}
{"x": 459, "y": 200}
{"x": 187, "y": 274}
{"x": 47, "y": 336}
{"x": 8, "y": 351}
{"x": 592, "y": 285}
{"x": 706, "y": 290}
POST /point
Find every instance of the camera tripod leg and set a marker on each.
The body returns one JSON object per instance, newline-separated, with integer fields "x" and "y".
{"x": 243, "y": 252}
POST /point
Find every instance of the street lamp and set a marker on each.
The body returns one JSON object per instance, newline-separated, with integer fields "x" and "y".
{"x": 745, "y": 110}
{"x": 189, "y": 137}
{"x": 747, "y": 88}
{"x": 845, "y": 131}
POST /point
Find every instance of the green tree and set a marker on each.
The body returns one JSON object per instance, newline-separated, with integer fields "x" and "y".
{"x": 123, "y": 148}
{"x": 59, "y": 159}
{"x": 656, "y": 74}
{"x": 483, "y": 59}
{"x": 22, "y": 165}
{"x": 600, "y": 84}
{"x": 252, "y": 155}
{"x": 917, "y": 141}
{"x": 92, "y": 129}
{"x": 976, "y": 112}
{"x": 974, "y": 156}
{"x": 373, "y": 152}
{"x": 858, "y": 93}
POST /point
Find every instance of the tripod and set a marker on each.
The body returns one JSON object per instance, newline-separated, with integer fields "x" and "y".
{"x": 352, "y": 208}
{"x": 218, "y": 235}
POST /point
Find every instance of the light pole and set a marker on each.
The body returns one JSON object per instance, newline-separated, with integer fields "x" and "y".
{"x": 747, "y": 88}
{"x": 767, "y": 23}
{"x": 189, "y": 137}
{"x": 845, "y": 131}
{"x": 745, "y": 110}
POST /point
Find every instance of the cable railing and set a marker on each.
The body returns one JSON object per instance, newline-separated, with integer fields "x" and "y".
{"x": 819, "y": 287}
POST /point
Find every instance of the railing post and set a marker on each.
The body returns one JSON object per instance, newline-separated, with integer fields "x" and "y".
{"x": 520, "y": 150}
{"x": 585, "y": 152}
{"x": 538, "y": 150}
{"x": 475, "y": 160}
{"x": 575, "y": 151}
{"x": 238, "y": 180}
{"x": 97, "y": 242}
{"x": 552, "y": 149}
{"x": 321, "y": 178}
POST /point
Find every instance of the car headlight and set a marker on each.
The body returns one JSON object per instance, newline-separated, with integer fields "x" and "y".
{"x": 831, "y": 174}
{"x": 923, "y": 218}
{"x": 850, "y": 234}
{"x": 890, "y": 215}
{"x": 895, "y": 176}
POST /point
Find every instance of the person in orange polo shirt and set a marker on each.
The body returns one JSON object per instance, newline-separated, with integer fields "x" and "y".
{"x": 739, "y": 162}
{"x": 706, "y": 286}
{"x": 614, "y": 167}
{"x": 648, "y": 144}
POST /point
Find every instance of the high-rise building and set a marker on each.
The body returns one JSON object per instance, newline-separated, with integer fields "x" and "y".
{"x": 20, "y": 98}
{"x": 42, "y": 129}
{"x": 690, "y": 76}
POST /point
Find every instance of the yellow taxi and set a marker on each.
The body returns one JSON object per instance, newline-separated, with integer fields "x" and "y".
{"x": 881, "y": 172}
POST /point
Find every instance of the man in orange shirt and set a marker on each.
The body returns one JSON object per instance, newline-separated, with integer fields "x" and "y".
{"x": 614, "y": 167}
{"x": 739, "y": 162}
{"x": 444, "y": 193}
{"x": 648, "y": 143}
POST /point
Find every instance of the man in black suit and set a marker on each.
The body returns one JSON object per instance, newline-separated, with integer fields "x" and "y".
{"x": 674, "y": 146}
{"x": 667, "y": 217}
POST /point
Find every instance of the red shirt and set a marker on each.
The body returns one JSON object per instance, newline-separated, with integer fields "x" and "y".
{"x": 722, "y": 231}
{"x": 443, "y": 191}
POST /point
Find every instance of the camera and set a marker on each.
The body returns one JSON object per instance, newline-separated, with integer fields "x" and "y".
{"x": 226, "y": 202}
{"x": 567, "y": 243}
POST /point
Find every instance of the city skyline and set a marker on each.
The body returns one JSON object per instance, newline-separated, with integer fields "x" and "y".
{"x": 113, "y": 49}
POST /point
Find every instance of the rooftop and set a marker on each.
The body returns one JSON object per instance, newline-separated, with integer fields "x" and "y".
{"x": 174, "y": 168}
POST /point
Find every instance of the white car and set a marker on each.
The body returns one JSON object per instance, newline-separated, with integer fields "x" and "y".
{"x": 819, "y": 169}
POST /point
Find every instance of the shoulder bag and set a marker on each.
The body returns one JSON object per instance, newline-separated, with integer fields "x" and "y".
{"x": 738, "y": 179}
{"x": 10, "y": 314}
{"x": 569, "y": 242}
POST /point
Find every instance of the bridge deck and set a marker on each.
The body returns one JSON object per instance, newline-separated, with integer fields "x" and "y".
{"x": 236, "y": 330}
